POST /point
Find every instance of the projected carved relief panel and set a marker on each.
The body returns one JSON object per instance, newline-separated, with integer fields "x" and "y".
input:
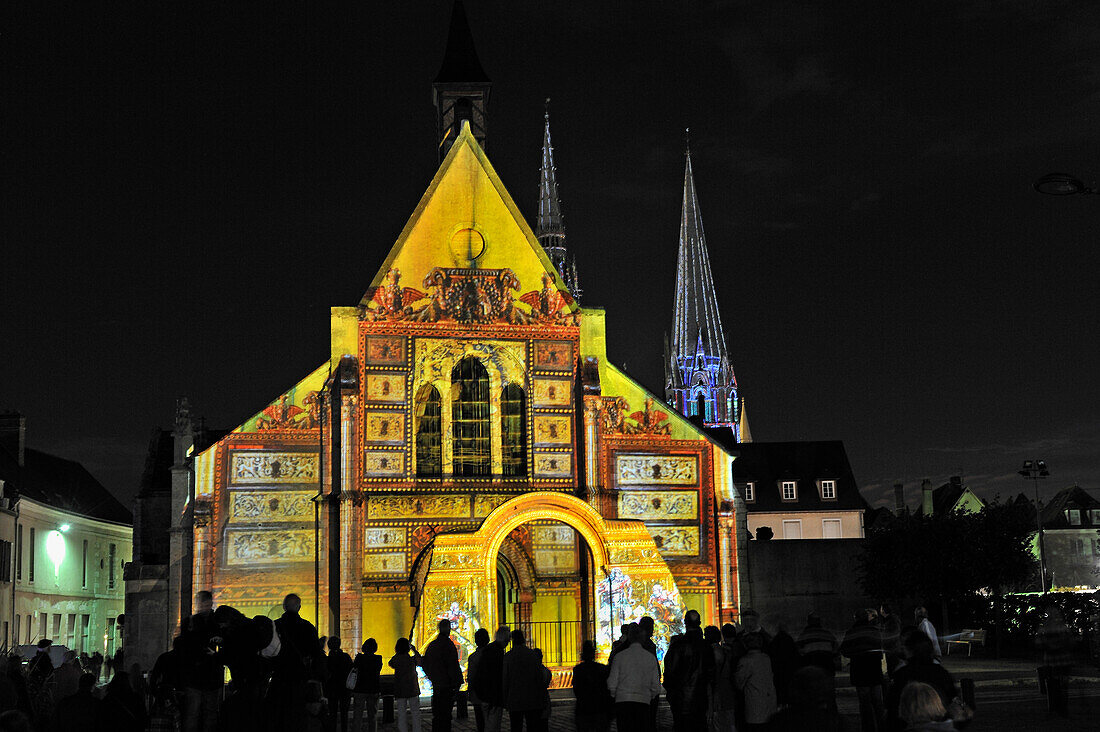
{"x": 256, "y": 506}
{"x": 553, "y": 393}
{"x": 655, "y": 469}
{"x": 386, "y": 388}
{"x": 254, "y": 466}
{"x": 268, "y": 546}
{"x": 379, "y": 464}
{"x": 553, "y": 548}
{"x": 553, "y": 465}
{"x": 386, "y": 428}
{"x": 659, "y": 505}
{"x": 395, "y": 507}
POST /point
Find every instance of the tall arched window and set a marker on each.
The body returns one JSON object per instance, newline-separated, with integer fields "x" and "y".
{"x": 513, "y": 431}
{"x": 701, "y": 404}
{"x": 470, "y": 418}
{"x": 429, "y": 442}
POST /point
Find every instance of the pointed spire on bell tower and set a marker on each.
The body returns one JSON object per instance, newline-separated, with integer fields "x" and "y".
{"x": 550, "y": 224}
{"x": 460, "y": 91}
{"x": 699, "y": 379}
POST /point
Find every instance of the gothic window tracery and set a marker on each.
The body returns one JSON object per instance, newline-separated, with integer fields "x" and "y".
{"x": 470, "y": 419}
{"x": 513, "y": 418}
{"x": 429, "y": 429}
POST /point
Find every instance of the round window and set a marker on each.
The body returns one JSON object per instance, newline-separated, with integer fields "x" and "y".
{"x": 467, "y": 245}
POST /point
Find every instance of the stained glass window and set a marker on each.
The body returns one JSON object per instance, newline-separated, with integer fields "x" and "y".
{"x": 470, "y": 418}
{"x": 513, "y": 419}
{"x": 429, "y": 443}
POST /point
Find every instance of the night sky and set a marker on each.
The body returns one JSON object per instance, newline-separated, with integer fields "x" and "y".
{"x": 185, "y": 196}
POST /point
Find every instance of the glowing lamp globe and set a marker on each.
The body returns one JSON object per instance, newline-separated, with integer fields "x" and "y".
{"x": 55, "y": 550}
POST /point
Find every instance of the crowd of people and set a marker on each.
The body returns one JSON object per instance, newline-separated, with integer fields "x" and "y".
{"x": 745, "y": 678}
{"x": 737, "y": 677}
{"x": 37, "y": 696}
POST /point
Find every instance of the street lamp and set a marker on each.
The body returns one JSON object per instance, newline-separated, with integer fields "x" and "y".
{"x": 1036, "y": 470}
{"x": 1060, "y": 184}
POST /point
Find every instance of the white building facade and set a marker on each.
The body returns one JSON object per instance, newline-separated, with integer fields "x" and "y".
{"x": 68, "y": 578}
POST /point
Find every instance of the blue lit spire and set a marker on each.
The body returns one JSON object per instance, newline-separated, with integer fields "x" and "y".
{"x": 698, "y": 376}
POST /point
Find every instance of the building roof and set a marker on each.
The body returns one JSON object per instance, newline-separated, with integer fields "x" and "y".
{"x": 460, "y": 61}
{"x": 945, "y": 499}
{"x": 62, "y": 484}
{"x": 1054, "y": 512}
{"x": 768, "y": 464}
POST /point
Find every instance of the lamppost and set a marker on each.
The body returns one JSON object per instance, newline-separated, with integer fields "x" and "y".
{"x": 1060, "y": 184}
{"x": 1036, "y": 470}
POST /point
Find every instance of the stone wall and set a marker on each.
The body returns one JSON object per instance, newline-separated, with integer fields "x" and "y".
{"x": 786, "y": 580}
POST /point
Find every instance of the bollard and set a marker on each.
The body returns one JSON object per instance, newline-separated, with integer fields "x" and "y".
{"x": 966, "y": 688}
{"x": 460, "y": 706}
{"x": 387, "y": 708}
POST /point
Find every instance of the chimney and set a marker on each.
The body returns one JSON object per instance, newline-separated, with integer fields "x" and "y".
{"x": 926, "y": 497}
{"x": 13, "y": 434}
{"x": 899, "y": 498}
{"x": 956, "y": 480}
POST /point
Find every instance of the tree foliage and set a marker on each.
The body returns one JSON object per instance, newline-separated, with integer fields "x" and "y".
{"x": 948, "y": 558}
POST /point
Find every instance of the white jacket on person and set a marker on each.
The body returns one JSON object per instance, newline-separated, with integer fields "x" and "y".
{"x": 635, "y": 675}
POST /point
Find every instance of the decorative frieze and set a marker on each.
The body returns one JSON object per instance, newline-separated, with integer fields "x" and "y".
{"x": 389, "y": 507}
{"x": 384, "y": 537}
{"x": 676, "y": 541}
{"x": 379, "y": 464}
{"x": 560, "y": 561}
{"x": 268, "y": 546}
{"x": 484, "y": 504}
{"x": 553, "y": 465}
{"x": 553, "y": 393}
{"x": 388, "y": 388}
{"x": 553, "y": 429}
{"x": 262, "y": 506}
{"x": 651, "y": 469}
{"x": 659, "y": 505}
{"x": 385, "y": 427}
{"x": 554, "y": 355}
{"x": 272, "y": 467}
{"x": 553, "y": 535}
{"x": 385, "y": 350}
{"x": 384, "y": 563}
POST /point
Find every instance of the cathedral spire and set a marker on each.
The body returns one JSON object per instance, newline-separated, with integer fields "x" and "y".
{"x": 550, "y": 225}
{"x": 460, "y": 91}
{"x": 698, "y": 378}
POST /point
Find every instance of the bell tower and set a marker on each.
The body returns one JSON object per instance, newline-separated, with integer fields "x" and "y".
{"x": 460, "y": 91}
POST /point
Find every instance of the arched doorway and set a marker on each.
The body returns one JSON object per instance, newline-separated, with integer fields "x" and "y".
{"x": 630, "y": 578}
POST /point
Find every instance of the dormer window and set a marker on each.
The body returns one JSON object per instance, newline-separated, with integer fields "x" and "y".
{"x": 750, "y": 492}
{"x": 789, "y": 490}
{"x": 1073, "y": 515}
{"x": 828, "y": 490}
{"x": 1095, "y": 516}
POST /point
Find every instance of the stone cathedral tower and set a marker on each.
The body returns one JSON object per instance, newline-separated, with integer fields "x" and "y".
{"x": 698, "y": 377}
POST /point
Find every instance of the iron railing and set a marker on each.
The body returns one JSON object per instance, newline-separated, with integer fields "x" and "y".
{"x": 559, "y": 640}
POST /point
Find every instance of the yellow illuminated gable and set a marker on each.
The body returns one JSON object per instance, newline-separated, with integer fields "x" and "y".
{"x": 467, "y": 228}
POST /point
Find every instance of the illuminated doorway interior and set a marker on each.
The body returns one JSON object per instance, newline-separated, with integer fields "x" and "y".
{"x": 544, "y": 576}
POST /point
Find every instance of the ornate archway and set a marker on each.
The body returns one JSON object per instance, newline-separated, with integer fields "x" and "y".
{"x": 631, "y": 580}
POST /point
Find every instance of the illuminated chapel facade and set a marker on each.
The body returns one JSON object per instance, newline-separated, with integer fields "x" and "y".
{"x": 467, "y": 450}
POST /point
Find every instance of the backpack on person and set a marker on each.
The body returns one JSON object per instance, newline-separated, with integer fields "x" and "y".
{"x": 271, "y": 650}
{"x": 352, "y": 679}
